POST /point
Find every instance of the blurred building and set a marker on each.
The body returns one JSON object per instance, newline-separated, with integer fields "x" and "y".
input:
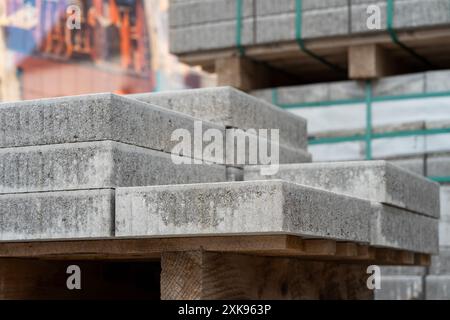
{"x": 64, "y": 47}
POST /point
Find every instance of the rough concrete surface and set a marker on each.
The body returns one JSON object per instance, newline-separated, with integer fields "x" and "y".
{"x": 377, "y": 181}
{"x": 57, "y": 215}
{"x": 102, "y": 164}
{"x": 261, "y": 207}
{"x": 91, "y": 118}
{"x": 226, "y": 106}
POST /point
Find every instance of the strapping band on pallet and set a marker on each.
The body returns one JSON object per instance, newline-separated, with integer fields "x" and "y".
{"x": 239, "y": 10}
{"x": 390, "y": 11}
{"x": 301, "y": 43}
{"x": 368, "y": 138}
{"x": 369, "y": 135}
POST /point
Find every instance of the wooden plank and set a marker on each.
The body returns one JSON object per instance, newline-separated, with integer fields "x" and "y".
{"x": 152, "y": 248}
{"x": 423, "y": 260}
{"x": 346, "y": 249}
{"x": 320, "y": 247}
{"x": 208, "y": 275}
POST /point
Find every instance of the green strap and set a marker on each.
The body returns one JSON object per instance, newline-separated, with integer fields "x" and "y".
{"x": 239, "y": 27}
{"x": 332, "y": 103}
{"x": 394, "y": 37}
{"x": 443, "y": 179}
{"x": 299, "y": 39}
{"x": 368, "y": 120}
{"x": 374, "y": 136}
{"x": 275, "y": 96}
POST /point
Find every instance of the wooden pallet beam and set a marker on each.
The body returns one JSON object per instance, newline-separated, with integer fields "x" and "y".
{"x": 245, "y": 74}
{"x": 371, "y": 61}
{"x": 209, "y": 275}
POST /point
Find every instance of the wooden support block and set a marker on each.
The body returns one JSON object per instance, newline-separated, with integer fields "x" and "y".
{"x": 421, "y": 259}
{"x": 346, "y": 249}
{"x": 407, "y": 257}
{"x": 320, "y": 247}
{"x": 387, "y": 256}
{"x": 246, "y": 75}
{"x": 208, "y": 275}
{"x": 370, "y": 61}
{"x": 366, "y": 252}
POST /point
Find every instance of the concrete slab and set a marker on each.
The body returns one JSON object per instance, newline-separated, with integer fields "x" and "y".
{"x": 270, "y": 7}
{"x": 278, "y": 28}
{"x": 92, "y": 118}
{"x": 188, "y": 13}
{"x": 445, "y": 202}
{"x": 246, "y": 148}
{"x": 231, "y": 108}
{"x": 415, "y": 165}
{"x": 95, "y": 165}
{"x": 57, "y": 215}
{"x": 210, "y": 36}
{"x": 444, "y": 231}
{"x": 377, "y": 181}
{"x": 438, "y": 287}
{"x": 235, "y": 174}
{"x": 408, "y": 14}
{"x": 400, "y": 288}
{"x": 440, "y": 264}
{"x": 261, "y": 207}
{"x": 400, "y": 229}
{"x": 405, "y": 271}
{"x": 438, "y": 166}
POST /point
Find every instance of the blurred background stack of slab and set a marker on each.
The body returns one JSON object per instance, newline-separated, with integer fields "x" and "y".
{"x": 367, "y": 93}
{"x": 291, "y": 39}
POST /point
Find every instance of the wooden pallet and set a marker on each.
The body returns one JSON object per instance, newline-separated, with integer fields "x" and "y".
{"x": 261, "y": 245}
{"x": 365, "y": 57}
{"x": 219, "y": 267}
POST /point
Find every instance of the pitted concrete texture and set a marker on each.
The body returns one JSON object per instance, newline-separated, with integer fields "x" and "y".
{"x": 57, "y": 215}
{"x": 261, "y": 207}
{"x": 232, "y": 108}
{"x": 377, "y": 181}
{"x": 92, "y": 118}
{"x": 95, "y": 165}
{"x": 400, "y": 229}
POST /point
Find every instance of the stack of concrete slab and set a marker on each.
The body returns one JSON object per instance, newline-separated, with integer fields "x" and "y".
{"x": 438, "y": 278}
{"x": 62, "y": 159}
{"x": 404, "y": 206}
{"x": 237, "y": 112}
{"x": 201, "y": 25}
